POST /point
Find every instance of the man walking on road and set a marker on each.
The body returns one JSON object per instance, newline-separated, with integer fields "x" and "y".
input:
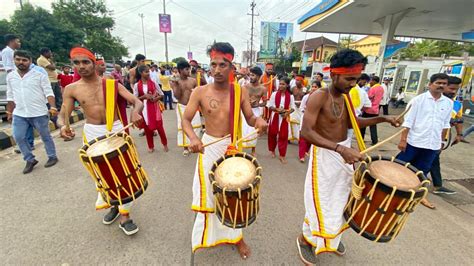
{"x": 375, "y": 95}
{"x": 46, "y": 61}
{"x": 28, "y": 91}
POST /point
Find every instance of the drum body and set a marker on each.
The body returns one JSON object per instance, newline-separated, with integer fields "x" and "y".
{"x": 384, "y": 192}
{"x": 235, "y": 183}
{"x": 114, "y": 166}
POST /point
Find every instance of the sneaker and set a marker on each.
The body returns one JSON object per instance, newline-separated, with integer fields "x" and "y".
{"x": 341, "y": 249}
{"x": 443, "y": 190}
{"x": 111, "y": 216}
{"x": 128, "y": 227}
{"x": 306, "y": 253}
{"x": 51, "y": 162}
{"x": 29, "y": 166}
{"x": 186, "y": 153}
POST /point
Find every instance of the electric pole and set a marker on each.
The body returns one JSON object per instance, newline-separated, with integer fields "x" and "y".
{"x": 143, "y": 33}
{"x": 252, "y": 5}
{"x": 166, "y": 34}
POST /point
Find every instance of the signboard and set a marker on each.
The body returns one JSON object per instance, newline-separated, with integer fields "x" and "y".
{"x": 392, "y": 49}
{"x": 190, "y": 55}
{"x": 304, "y": 64}
{"x": 165, "y": 23}
{"x": 413, "y": 81}
{"x": 322, "y": 7}
{"x": 275, "y": 40}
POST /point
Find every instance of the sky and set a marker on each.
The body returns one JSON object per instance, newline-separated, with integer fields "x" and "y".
{"x": 195, "y": 23}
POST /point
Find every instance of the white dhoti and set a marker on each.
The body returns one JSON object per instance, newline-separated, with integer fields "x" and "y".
{"x": 91, "y": 132}
{"x": 183, "y": 140}
{"x": 295, "y": 118}
{"x": 208, "y": 231}
{"x": 327, "y": 188}
{"x": 246, "y": 130}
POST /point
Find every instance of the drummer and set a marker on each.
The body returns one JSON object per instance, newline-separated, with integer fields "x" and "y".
{"x": 215, "y": 102}
{"x": 326, "y": 126}
{"x": 89, "y": 92}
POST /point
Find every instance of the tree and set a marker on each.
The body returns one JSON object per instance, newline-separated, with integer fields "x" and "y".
{"x": 5, "y": 28}
{"x": 435, "y": 48}
{"x": 346, "y": 41}
{"x": 178, "y": 59}
{"x": 94, "y": 22}
{"x": 38, "y": 28}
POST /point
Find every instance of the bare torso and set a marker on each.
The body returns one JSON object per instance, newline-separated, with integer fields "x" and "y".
{"x": 298, "y": 94}
{"x": 328, "y": 125}
{"x": 255, "y": 94}
{"x": 182, "y": 89}
{"x": 91, "y": 97}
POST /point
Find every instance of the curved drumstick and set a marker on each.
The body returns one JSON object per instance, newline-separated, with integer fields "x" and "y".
{"x": 403, "y": 113}
{"x": 216, "y": 140}
{"x": 247, "y": 136}
{"x": 121, "y": 130}
{"x": 383, "y": 142}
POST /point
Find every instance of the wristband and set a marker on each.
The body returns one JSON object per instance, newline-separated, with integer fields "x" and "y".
{"x": 337, "y": 146}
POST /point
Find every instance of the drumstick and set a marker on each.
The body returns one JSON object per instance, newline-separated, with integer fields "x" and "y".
{"x": 247, "y": 136}
{"x": 121, "y": 130}
{"x": 403, "y": 113}
{"x": 216, "y": 140}
{"x": 382, "y": 142}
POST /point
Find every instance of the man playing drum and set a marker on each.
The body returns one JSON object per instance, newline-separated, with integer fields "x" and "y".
{"x": 326, "y": 125}
{"x": 89, "y": 92}
{"x": 215, "y": 101}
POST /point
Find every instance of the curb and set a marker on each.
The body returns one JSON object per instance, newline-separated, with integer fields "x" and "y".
{"x": 6, "y": 136}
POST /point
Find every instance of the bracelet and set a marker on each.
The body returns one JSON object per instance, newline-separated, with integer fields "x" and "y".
{"x": 337, "y": 146}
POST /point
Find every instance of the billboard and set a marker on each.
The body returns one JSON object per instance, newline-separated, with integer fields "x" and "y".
{"x": 275, "y": 40}
{"x": 165, "y": 23}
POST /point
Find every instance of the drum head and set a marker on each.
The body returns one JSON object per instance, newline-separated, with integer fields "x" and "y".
{"x": 394, "y": 175}
{"x": 105, "y": 146}
{"x": 235, "y": 172}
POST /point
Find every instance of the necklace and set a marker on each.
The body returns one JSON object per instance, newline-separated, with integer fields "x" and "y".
{"x": 334, "y": 111}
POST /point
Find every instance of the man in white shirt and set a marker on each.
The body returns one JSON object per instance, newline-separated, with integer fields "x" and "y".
{"x": 386, "y": 95}
{"x": 12, "y": 43}
{"x": 400, "y": 97}
{"x": 427, "y": 124}
{"x": 155, "y": 75}
{"x": 360, "y": 98}
{"x": 28, "y": 91}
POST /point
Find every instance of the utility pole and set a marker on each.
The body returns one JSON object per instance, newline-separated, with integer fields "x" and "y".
{"x": 143, "y": 33}
{"x": 166, "y": 34}
{"x": 252, "y": 5}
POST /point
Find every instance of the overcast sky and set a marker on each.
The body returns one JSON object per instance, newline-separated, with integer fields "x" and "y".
{"x": 195, "y": 23}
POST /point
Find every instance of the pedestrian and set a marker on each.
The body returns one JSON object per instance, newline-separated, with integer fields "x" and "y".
{"x": 386, "y": 95}
{"x": 149, "y": 93}
{"x": 303, "y": 145}
{"x": 28, "y": 91}
{"x": 100, "y": 68}
{"x": 90, "y": 89}
{"x": 12, "y": 43}
{"x": 117, "y": 74}
{"x": 46, "y": 61}
{"x": 221, "y": 116}
{"x": 281, "y": 105}
{"x": 166, "y": 88}
{"x": 329, "y": 176}
{"x": 139, "y": 60}
{"x": 65, "y": 78}
{"x": 400, "y": 97}
{"x": 269, "y": 81}
{"x": 360, "y": 98}
{"x": 375, "y": 95}
{"x": 426, "y": 124}
{"x": 155, "y": 75}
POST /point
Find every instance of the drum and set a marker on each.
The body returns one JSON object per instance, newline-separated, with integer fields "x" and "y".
{"x": 235, "y": 180}
{"x": 113, "y": 164}
{"x": 384, "y": 192}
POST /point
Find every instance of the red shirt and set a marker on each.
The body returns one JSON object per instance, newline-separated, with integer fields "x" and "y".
{"x": 375, "y": 96}
{"x": 65, "y": 79}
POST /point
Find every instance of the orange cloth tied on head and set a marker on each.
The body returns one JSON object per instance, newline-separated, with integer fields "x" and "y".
{"x": 355, "y": 69}
{"x": 100, "y": 62}
{"x": 300, "y": 78}
{"x": 226, "y": 56}
{"x": 80, "y": 51}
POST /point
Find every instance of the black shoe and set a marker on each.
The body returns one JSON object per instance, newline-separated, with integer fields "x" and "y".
{"x": 443, "y": 190}
{"x": 17, "y": 151}
{"x": 341, "y": 249}
{"x": 111, "y": 216}
{"x": 141, "y": 134}
{"x": 29, "y": 166}
{"x": 128, "y": 227}
{"x": 306, "y": 253}
{"x": 51, "y": 162}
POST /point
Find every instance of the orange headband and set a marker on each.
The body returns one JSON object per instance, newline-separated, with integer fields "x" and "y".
{"x": 355, "y": 69}
{"x": 80, "y": 51}
{"x": 226, "y": 56}
{"x": 300, "y": 78}
{"x": 100, "y": 62}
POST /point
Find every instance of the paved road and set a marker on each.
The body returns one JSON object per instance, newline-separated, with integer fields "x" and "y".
{"x": 48, "y": 216}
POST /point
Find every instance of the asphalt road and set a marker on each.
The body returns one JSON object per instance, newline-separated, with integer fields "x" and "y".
{"x": 48, "y": 216}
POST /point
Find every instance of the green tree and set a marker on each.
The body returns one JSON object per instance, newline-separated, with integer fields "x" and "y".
{"x": 38, "y": 28}
{"x": 436, "y": 48}
{"x": 94, "y": 22}
{"x": 5, "y": 28}
{"x": 345, "y": 41}
{"x": 178, "y": 59}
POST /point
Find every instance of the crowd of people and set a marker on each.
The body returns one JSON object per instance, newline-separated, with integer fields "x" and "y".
{"x": 209, "y": 105}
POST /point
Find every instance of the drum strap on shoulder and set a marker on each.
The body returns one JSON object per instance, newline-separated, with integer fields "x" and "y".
{"x": 110, "y": 99}
{"x": 235, "y": 117}
{"x": 355, "y": 126}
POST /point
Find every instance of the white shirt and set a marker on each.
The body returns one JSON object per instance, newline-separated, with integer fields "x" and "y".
{"x": 271, "y": 103}
{"x": 304, "y": 101}
{"x": 29, "y": 93}
{"x": 7, "y": 58}
{"x": 426, "y": 120}
{"x": 292, "y": 83}
{"x": 386, "y": 97}
{"x": 400, "y": 96}
{"x": 364, "y": 100}
{"x": 155, "y": 76}
{"x": 145, "y": 102}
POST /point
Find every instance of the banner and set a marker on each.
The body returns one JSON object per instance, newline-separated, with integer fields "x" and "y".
{"x": 190, "y": 55}
{"x": 304, "y": 64}
{"x": 275, "y": 40}
{"x": 392, "y": 49}
{"x": 165, "y": 23}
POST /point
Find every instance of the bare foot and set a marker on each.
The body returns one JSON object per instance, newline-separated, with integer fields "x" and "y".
{"x": 151, "y": 150}
{"x": 272, "y": 154}
{"x": 301, "y": 160}
{"x": 282, "y": 160}
{"x": 243, "y": 249}
{"x": 165, "y": 148}
{"x": 427, "y": 204}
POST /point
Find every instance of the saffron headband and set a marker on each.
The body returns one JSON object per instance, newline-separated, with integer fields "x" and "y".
{"x": 226, "y": 56}
{"x": 355, "y": 69}
{"x": 80, "y": 51}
